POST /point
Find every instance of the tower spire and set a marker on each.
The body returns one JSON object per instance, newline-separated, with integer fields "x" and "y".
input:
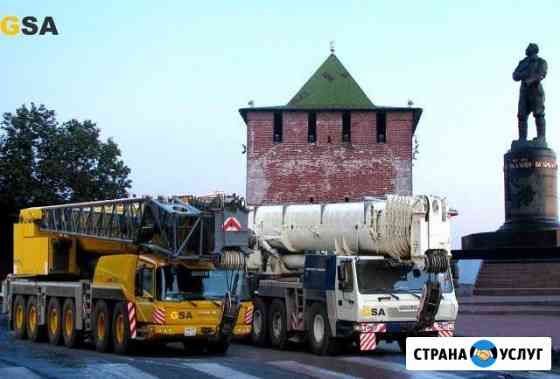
{"x": 331, "y": 46}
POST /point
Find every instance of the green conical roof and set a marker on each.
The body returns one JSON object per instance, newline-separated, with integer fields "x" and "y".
{"x": 331, "y": 86}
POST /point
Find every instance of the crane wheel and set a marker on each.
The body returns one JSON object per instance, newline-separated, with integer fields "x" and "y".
{"x": 54, "y": 321}
{"x": 102, "y": 326}
{"x": 121, "y": 330}
{"x": 70, "y": 334}
{"x": 278, "y": 324}
{"x": 34, "y": 330}
{"x": 259, "y": 329}
{"x": 319, "y": 331}
{"x": 19, "y": 318}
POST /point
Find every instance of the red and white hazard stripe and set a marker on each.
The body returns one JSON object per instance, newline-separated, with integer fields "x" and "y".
{"x": 373, "y": 328}
{"x": 368, "y": 338}
{"x": 132, "y": 319}
{"x": 445, "y": 333}
{"x": 444, "y": 329}
{"x": 158, "y": 316}
{"x": 367, "y": 341}
{"x": 248, "y": 316}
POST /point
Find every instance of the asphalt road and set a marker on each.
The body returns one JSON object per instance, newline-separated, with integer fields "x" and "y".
{"x": 23, "y": 360}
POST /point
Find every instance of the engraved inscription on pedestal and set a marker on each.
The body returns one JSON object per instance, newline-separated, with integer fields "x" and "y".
{"x": 530, "y": 188}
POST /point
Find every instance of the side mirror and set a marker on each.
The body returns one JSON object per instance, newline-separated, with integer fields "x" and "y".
{"x": 342, "y": 278}
{"x": 341, "y": 274}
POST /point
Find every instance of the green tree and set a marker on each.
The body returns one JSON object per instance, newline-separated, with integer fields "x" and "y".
{"x": 44, "y": 162}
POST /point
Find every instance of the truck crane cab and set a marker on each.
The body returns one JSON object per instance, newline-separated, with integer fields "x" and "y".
{"x": 373, "y": 291}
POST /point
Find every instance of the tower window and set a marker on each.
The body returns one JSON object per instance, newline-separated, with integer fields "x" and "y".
{"x": 381, "y": 127}
{"x": 277, "y": 128}
{"x": 346, "y": 130}
{"x": 312, "y": 127}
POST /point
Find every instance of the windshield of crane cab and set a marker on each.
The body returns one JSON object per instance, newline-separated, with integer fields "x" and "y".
{"x": 178, "y": 283}
{"x": 378, "y": 276}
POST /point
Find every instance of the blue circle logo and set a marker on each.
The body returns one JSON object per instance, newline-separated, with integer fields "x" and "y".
{"x": 483, "y": 353}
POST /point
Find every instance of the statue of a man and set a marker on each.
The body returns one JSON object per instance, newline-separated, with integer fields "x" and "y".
{"x": 530, "y": 71}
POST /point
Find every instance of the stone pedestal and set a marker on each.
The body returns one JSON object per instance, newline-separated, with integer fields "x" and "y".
{"x": 530, "y": 188}
{"x": 531, "y": 224}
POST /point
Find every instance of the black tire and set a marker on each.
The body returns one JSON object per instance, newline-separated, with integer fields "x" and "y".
{"x": 102, "y": 326}
{"x": 278, "y": 324}
{"x": 122, "y": 343}
{"x": 35, "y": 332}
{"x": 402, "y": 344}
{"x": 220, "y": 347}
{"x": 70, "y": 335}
{"x": 54, "y": 321}
{"x": 19, "y": 318}
{"x": 319, "y": 331}
{"x": 259, "y": 328}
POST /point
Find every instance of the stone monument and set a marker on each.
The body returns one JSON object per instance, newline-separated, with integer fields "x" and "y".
{"x": 531, "y": 214}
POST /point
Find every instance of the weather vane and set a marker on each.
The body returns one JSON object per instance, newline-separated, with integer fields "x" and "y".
{"x": 332, "y": 47}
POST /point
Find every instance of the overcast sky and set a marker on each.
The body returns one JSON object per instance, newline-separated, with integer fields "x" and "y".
{"x": 165, "y": 80}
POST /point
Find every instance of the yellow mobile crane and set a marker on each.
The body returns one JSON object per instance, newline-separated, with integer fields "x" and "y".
{"x": 127, "y": 270}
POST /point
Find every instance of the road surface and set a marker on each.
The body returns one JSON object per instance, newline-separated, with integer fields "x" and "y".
{"x": 26, "y": 360}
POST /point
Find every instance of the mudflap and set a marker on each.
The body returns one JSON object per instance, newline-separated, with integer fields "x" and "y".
{"x": 369, "y": 336}
{"x": 368, "y": 341}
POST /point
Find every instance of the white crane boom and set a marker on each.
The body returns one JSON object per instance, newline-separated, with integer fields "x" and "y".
{"x": 404, "y": 228}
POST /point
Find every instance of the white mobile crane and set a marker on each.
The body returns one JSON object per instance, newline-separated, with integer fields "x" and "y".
{"x": 357, "y": 272}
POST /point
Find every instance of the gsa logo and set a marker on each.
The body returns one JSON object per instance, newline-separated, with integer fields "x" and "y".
{"x": 483, "y": 353}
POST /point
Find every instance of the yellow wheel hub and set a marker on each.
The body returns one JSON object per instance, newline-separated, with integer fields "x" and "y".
{"x": 19, "y": 317}
{"x": 101, "y": 326}
{"x": 68, "y": 322}
{"x": 32, "y": 318}
{"x": 53, "y": 321}
{"x": 119, "y": 329}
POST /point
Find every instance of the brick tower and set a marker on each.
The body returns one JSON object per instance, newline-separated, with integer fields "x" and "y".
{"x": 329, "y": 143}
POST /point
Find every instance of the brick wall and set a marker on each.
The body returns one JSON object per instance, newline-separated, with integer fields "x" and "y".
{"x": 296, "y": 171}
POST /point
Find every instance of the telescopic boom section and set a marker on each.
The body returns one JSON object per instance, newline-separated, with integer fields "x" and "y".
{"x": 170, "y": 227}
{"x": 404, "y": 228}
